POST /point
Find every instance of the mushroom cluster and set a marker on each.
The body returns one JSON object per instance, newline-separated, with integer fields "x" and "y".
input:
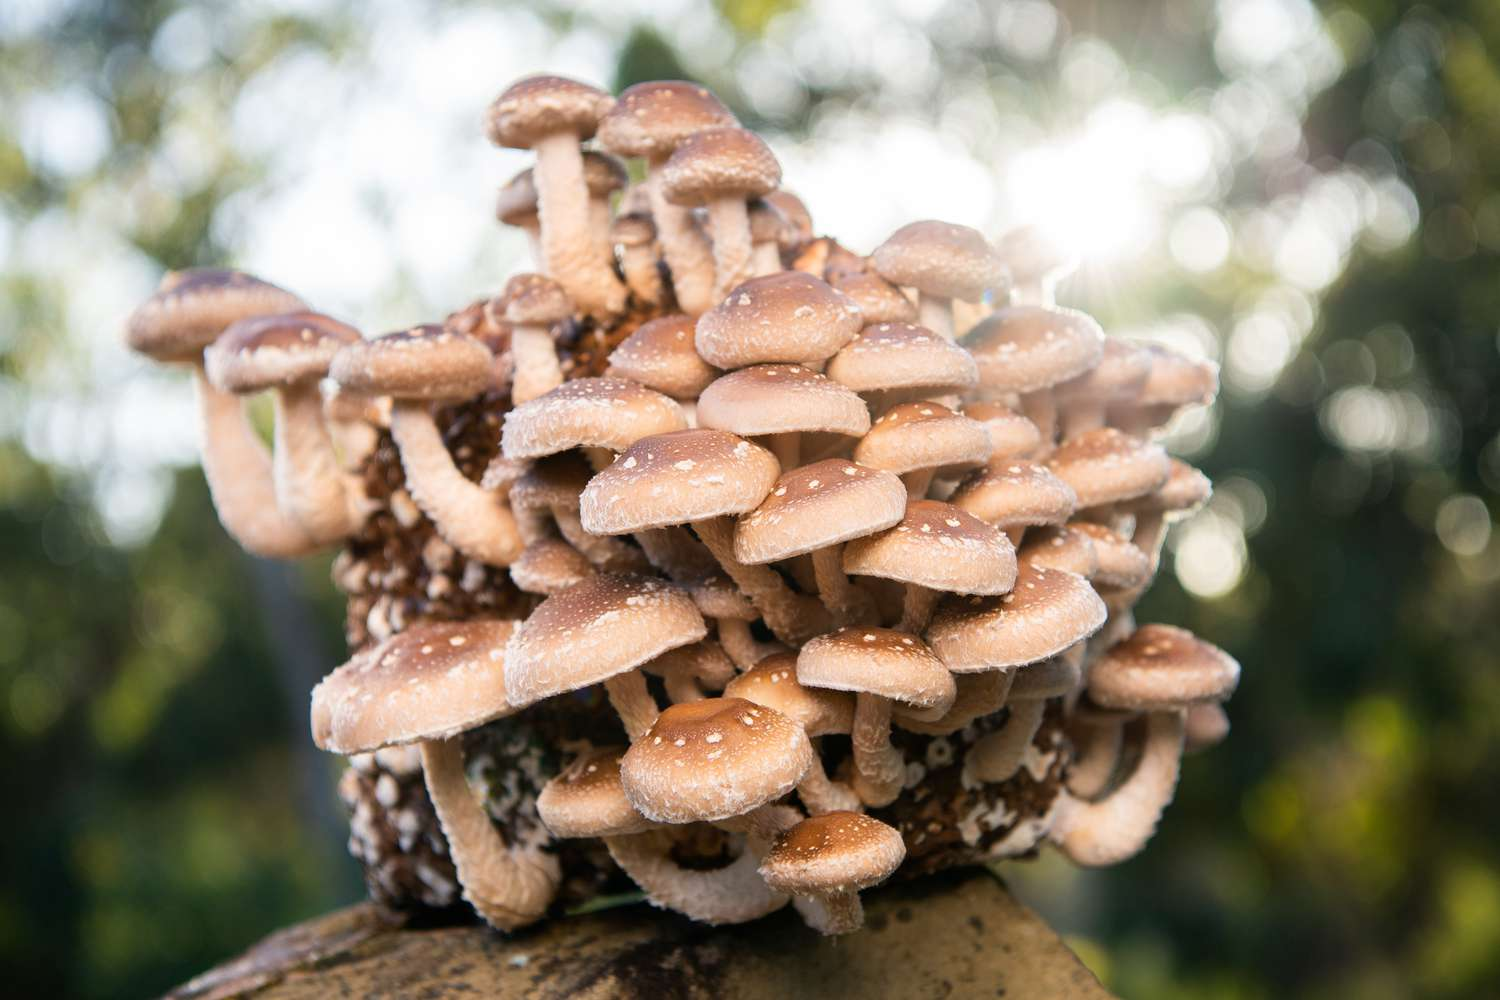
{"x": 713, "y": 553}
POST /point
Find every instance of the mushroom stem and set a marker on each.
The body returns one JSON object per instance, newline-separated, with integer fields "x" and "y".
{"x": 917, "y": 481}
{"x": 733, "y": 894}
{"x": 979, "y": 694}
{"x": 473, "y": 520}
{"x": 793, "y": 618}
{"x": 765, "y": 258}
{"x": 1085, "y": 413}
{"x": 997, "y": 755}
{"x": 309, "y": 482}
{"x": 633, "y": 702}
{"x": 879, "y": 768}
{"x": 1040, "y": 408}
{"x": 936, "y": 314}
{"x": 536, "y": 369}
{"x": 738, "y": 643}
{"x": 1118, "y": 826}
{"x": 642, "y": 276}
{"x": 787, "y": 448}
{"x": 605, "y": 551}
{"x": 729, "y": 222}
{"x": 508, "y": 886}
{"x": 1015, "y": 532}
{"x": 1097, "y": 756}
{"x": 568, "y": 245}
{"x": 238, "y": 468}
{"x": 916, "y": 608}
{"x": 688, "y": 255}
{"x": 848, "y": 604}
{"x": 821, "y": 794}
{"x": 1149, "y": 535}
{"x": 835, "y": 913}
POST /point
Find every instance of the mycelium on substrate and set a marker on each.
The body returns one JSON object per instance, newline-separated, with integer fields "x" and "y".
{"x": 711, "y": 554}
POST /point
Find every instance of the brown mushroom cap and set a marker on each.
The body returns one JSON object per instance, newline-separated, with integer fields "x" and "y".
{"x": 936, "y": 545}
{"x": 1121, "y": 372}
{"x": 1010, "y": 433}
{"x": 191, "y": 309}
{"x": 1177, "y": 380}
{"x": 902, "y": 356}
{"x": 923, "y": 435}
{"x": 535, "y": 300}
{"x": 1162, "y": 667}
{"x": 603, "y": 174}
{"x": 652, "y": 119}
{"x": 1061, "y": 547}
{"x": 285, "y": 349}
{"x": 879, "y": 661}
{"x": 660, "y": 355}
{"x": 602, "y": 626}
{"x": 795, "y": 211}
{"x": 720, "y": 163}
{"x": 539, "y": 106}
{"x": 1029, "y": 348}
{"x": 941, "y": 259}
{"x": 784, "y": 317}
{"x": 1185, "y": 490}
{"x": 1033, "y": 256}
{"x": 1106, "y": 466}
{"x": 773, "y": 683}
{"x": 678, "y": 478}
{"x": 634, "y": 229}
{"x": 1050, "y": 678}
{"x": 834, "y": 852}
{"x": 553, "y": 481}
{"x": 587, "y": 799}
{"x": 515, "y": 204}
{"x": 816, "y": 506}
{"x": 1206, "y": 725}
{"x": 1121, "y": 564}
{"x": 878, "y": 299}
{"x": 611, "y": 413}
{"x": 432, "y": 681}
{"x": 425, "y": 362}
{"x": 714, "y": 759}
{"x": 1047, "y": 612}
{"x": 781, "y": 399}
{"x": 548, "y": 566}
{"x": 767, "y": 224}
{"x": 1016, "y": 493}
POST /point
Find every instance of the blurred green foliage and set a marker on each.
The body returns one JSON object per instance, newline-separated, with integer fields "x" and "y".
{"x": 166, "y": 810}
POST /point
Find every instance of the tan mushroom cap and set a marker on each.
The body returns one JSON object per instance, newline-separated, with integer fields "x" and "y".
{"x": 1051, "y": 678}
{"x": 539, "y": 106}
{"x": 1105, "y": 466}
{"x": 535, "y": 300}
{"x": 1010, "y": 433}
{"x": 878, "y": 299}
{"x": 714, "y": 759}
{"x": 1032, "y": 255}
{"x": 602, "y": 626}
{"x": 705, "y": 661}
{"x": 432, "y": 681}
{"x": 1016, "y": 493}
{"x": 718, "y": 597}
{"x": 720, "y": 163}
{"x": 660, "y": 355}
{"x": 515, "y": 204}
{"x": 652, "y": 119}
{"x": 1030, "y": 348}
{"x": 941, "y": 259}
{"x": 604, "y": 174}
{"x": 879, "y": 661}
{"x": 1121, "y": 563}
{"x": 1162, "y": 667}
{"x": 1177, "y": 380}
{"x": 553, "y": 481}
{"x": 773, "y": 683}
{"x": 285, "y": 349}
{"x": 191, "y": 308}
{"x": 818, "y": 505}
{"x": 678, "y": 478}
{"x": 936, "y": 545}
{"x": 1206, "y": 725}
{"x": 425, "y": 362}
{"x": 549, "y": 566}
{"x": 1185, "y": 490}
{"x": 1046, "y": 612}
{"x": 902, "y": 356}
{"x": 610, "y": 413}
{"x": 923, "y": 435}
{"x": 784, "y": 317}
{"x": 1121, "y": 372}
{"x": 634, "y": 229}
{"x": 1061, "y": 547}
{"x": 795, "y": 211}
{"x": 781, "y": 399}
{"x": 834, "y": 852}
{"x": 767, "y": 224}
{"x": 587, "y": 799}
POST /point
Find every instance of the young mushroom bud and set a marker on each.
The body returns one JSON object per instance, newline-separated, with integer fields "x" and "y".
{"x": 535, "y": 304}
{"x": 825, "y": 860}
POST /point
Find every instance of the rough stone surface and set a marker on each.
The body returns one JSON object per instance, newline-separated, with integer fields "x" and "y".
{"x": 958, "y": 935}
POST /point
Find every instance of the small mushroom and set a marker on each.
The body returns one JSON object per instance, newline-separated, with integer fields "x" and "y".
{"x": 635, "y": 235}
{"x": 660, "y": 356}
{"x": 535, "y": 304}
{"x": 825, "y": 860}
{"x": 1037, "y": 263}
{"x": 595, "y": 414}
{"x": 998, "y": 754}
{"x": 781, "y": 403}
{"x": 918, "y": 440}
{"x": 942, "y": 262}
{"x": 768, "y": 234}
{"x": 1016, "y": 495}
{"x": 893, "y": 362}
{"x": 787, "y": 317}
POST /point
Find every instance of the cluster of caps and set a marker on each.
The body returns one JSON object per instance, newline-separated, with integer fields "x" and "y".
{"x": 815, "y": 495}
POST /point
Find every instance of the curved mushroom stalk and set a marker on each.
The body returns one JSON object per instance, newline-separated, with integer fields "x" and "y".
{"x": 835, "y": 913}
{"x": 744, "y": 650}
{"x": 310, "y": 485}
{"x": 238, "y": 467}
{"x": 936, "y": 314}
{"x": 632, "y": 701}
{"x": 879, "y": 768}
{"x": 848, "y": 603}
{"x": 917, "y": 603}
{"x": 537, "y": 371}
{"x": 1040, "y": 408}
{"x": 734, "y": 894}
{"x": 471, "y": 519}
{"x": 611, "y": 554}
{"x": 1097, "y": 757}
{"x": 729, "y": 222}
{"x": 793, "y": 618}
{"x": 687, "y": 251}
{"x": 572, "y": 254}
{"x": 1117, "y": 827}
{"x": 821, "y": 794}
{"x": 997, "y": 755}
{"x": 509, "y": 887}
